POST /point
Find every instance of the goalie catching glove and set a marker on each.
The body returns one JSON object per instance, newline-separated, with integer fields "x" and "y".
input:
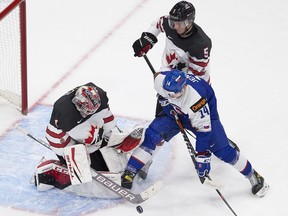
{"x": 144, "y": 44}
{"x": 127, "y": 142}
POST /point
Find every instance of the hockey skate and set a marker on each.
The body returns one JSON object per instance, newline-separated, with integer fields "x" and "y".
{"x": 142, "y": 173}
{"x": 127, "y": 179}
{"x": 259, "y": 186}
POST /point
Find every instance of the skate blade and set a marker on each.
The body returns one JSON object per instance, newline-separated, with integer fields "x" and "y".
{"x": 261, "y": 193}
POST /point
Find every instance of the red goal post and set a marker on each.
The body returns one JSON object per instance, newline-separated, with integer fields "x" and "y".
{"x": 13, "y": 53}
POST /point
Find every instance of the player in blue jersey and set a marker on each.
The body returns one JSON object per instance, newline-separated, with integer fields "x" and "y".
{"x": 187, "y": 46}
{"x": 194, "y": 101}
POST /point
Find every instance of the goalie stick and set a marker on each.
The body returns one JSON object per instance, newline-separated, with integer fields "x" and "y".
{"x": 190, "y": 148}
{"x": 134, "y": 198}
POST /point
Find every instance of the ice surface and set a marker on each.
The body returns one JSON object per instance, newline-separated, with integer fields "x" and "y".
{"x": 73, "y": 42}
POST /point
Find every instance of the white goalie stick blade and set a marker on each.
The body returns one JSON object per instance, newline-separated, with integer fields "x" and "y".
{"x": 152, "y": 190}
{"x": 125, "y": 193}
{"x": 213, "y": 184}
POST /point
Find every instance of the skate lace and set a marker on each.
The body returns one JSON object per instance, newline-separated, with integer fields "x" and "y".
{"x": 137, "y": 133}
{"x": 255, "y": 179}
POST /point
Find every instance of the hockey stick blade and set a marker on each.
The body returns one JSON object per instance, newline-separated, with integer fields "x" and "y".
{"x": 213, "y": 184}
{"x": 125, "y": 193}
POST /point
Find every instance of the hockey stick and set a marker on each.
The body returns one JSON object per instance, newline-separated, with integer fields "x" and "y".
{"x": 190, "y": 148}
{"x": 233, "y": 144}
{"x": 108, "y": 183}
{"x": 149, "y": 63}
{"x": 192, "y": 154}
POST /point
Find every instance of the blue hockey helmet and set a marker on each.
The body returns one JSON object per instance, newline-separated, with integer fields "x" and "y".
{"x": 174, "y": 82}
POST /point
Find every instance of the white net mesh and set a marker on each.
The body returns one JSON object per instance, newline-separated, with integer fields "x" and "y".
{"x": 10, "y": 54}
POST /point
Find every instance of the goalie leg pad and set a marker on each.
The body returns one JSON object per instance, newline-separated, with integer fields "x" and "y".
{"x": 50, "y": 174}
{"x": 78, "y": 164}
{"x": 115, "y": 161}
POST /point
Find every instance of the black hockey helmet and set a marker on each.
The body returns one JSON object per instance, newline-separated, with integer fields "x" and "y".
{"x": 182, "y": 11}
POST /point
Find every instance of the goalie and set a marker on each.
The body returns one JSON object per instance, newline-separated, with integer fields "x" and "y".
{"x": 83, "y": 134}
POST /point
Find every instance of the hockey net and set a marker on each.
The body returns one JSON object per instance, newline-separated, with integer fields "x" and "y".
{"x": 13, "y": 60}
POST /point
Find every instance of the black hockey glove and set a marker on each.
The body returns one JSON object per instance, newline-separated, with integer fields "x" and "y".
{"x": 144, "y": 44}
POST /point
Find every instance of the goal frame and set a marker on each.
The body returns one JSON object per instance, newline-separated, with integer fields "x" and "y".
{"x": 23, "y": 48}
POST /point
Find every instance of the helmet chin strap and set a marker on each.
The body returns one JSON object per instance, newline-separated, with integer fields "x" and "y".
{"x": 188, "y": 32}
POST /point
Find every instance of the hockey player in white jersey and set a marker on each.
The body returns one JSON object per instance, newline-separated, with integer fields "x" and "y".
{"x": 187, "y": 45}
{"x": 195, "y": 103}
{"x": 83, "y": 134}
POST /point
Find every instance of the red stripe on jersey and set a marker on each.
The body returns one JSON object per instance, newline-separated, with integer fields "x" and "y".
{"x": 195, "y": 72}
{"x": 158, "y": 25}
{"x": 55, "y": 135}
{"x": 108, "y": 119}
{"x": 199, "y": 63}
{"x": 60, "y": 145}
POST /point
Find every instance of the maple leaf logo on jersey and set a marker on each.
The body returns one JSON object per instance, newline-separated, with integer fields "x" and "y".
{"x": 171, "y": 57}
{"x": 91, "y": 138}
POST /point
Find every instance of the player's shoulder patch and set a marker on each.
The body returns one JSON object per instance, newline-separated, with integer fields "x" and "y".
{"x": 199, "y": 104}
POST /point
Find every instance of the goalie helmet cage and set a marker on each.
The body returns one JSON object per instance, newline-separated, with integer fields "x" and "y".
{"x": 13, "y": 53}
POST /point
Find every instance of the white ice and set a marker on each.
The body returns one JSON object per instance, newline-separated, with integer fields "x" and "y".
{"x": 73, "y": 42}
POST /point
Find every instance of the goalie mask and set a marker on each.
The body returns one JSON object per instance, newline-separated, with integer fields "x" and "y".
{"x": 86, "y": 100}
